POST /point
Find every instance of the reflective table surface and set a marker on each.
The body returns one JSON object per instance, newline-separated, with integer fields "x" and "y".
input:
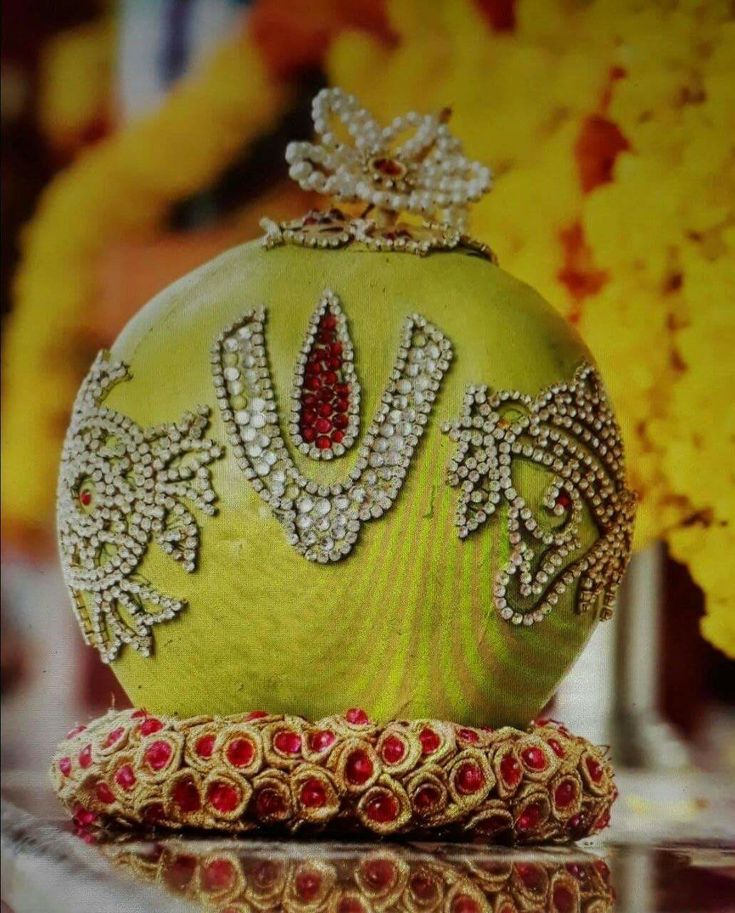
{"x": 47, "y": 868}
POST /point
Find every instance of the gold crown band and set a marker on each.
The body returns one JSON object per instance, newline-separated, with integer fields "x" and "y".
{"x": 258, "y": 771}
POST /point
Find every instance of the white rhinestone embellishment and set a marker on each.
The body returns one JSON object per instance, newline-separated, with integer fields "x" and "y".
{"x": 121, "y": 486}
{"x": 323, "y": 522}
{"x": 570, "y": 432}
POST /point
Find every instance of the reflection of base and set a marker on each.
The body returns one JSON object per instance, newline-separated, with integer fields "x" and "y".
{"x": 344, "y": 878}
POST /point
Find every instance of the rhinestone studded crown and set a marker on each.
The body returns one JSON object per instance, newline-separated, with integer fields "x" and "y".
{"x": 414, "y": 165}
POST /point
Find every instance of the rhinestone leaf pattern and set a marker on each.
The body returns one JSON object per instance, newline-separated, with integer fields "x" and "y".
{"x": 570, "y": 433}
{"x": 322, "y": 522}
{"x": 325, "y": 403}
{"x": 120, "y": 487}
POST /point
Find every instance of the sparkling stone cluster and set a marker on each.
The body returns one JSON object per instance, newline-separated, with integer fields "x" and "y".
{"x": 323, "y": 521}
{"x": 258, "y": 771}
{"x": 570, "y": 433}
{"x": 325, "y": 401}
{"x": 121, "y": 486}
{"x": 333, "y": 229}
{"x": 426, "y": 174}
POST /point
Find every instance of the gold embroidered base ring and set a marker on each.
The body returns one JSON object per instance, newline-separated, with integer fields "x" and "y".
{"x": 261, "y": 772}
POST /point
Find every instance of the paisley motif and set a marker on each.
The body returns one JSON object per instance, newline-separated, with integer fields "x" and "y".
{"x": 120, "y": 487}
{"x": 569, "y": 433}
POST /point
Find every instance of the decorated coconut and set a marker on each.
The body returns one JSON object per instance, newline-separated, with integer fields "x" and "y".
{"x": 353, "y": 464}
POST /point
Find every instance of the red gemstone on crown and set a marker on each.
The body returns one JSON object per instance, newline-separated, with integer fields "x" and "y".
{"x": 65, "y": 766}
{"x": 469, "y": 735}
{"x": 85, "y": 756}
{"x": 85, "y": 497}
{"x": 359, "y": 767}
{"x": 75, "y": 731}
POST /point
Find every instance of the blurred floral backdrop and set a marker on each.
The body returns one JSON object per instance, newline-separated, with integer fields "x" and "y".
{"x": 611, "y": 130}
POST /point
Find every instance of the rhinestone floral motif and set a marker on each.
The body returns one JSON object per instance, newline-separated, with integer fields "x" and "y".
{"x": 260, "y": 771}
{"x": 325, "y": 403}
{"x": 121, "y": 486}
{"x": 425, "y": 174}
{"x": 568, "y": 431}
{"x": 322, "y": 522}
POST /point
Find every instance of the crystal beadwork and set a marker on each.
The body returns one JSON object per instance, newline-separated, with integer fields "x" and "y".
{"x": 569, "y": 432}
{"x": 121, "y": 486}
{"x": 323, "y": 521}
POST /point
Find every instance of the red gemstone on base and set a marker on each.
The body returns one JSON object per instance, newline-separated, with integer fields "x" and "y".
{"x": 224, "y": 797}
{"x": 529, "y": 818}
{"x": 240, "y": 752}
{"x": 382, "y": 808}
{"x": 205, "y": 745}
{"x": 534, "y": 758}
{"x": 158, "y": 754}
{"x": 469, "y": 779}
{"x": 510, "y": 770}
{"x": 186, "y": 796}
{"x": 393, "y": 750}
{"x": 125, "y": 777}
{"x": 359, "y": 768}
{"x": 426, "y": 797}
{"x": 430, "y": 741}
{"x": 321, "y": 740}
{"x": 269, "y": 803}
{"x": 308, "y": 885}
{"x": 287, "y": 742}
{"x": 313, "y": 794}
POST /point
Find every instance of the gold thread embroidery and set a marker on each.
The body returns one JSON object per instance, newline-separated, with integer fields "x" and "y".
{"x": 569, "y": 431}
{"x": 121, "y": 486}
